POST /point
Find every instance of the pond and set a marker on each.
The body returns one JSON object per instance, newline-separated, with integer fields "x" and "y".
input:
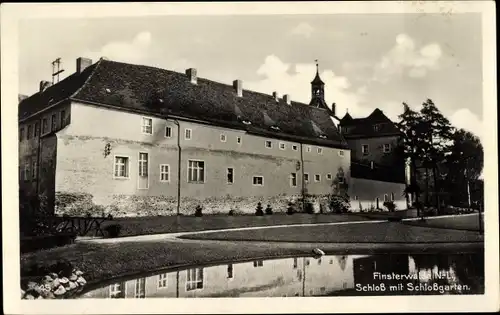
{"x": 329, "y": 275}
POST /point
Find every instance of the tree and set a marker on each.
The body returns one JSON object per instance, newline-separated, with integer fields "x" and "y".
{"x": 464, "y": 164}
{"x": 436, "y": 143}
{"x": 411, "y": 147}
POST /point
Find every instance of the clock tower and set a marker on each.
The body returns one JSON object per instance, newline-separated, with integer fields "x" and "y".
{"x": 318, "y": 91}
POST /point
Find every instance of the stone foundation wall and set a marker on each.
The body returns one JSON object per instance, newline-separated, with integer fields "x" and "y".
{"x": 81, "y": 204}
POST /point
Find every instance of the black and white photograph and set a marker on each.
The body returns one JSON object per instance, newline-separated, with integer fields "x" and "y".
{"x": 188, "y": 153}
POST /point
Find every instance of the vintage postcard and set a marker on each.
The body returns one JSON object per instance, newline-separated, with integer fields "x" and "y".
{"x": 314, "y": 156}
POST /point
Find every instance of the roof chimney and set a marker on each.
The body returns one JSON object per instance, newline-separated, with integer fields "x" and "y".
{"x": 191, "y": 73}
{"x": 21, "y": 97}
{"x": 275, "y": 96}
{"x": 333, "y": 109}
{"x": 44, "y": 85}
{"x": 82, "y": 63}
{"x": 238, "y": 86}
{"x": 287, "y": 99}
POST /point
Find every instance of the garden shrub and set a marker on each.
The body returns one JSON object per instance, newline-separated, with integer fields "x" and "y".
{"x": 340, "y": 204}
{"x": 258, "y": 210}
{"x": 269, "y": 210}
{"x": 390, "y": 205}
{"x": 198, "y": 211}
{"x": 290, "y": 210}
{"x": 113, "y": 230}
{"x": 231, "y": 212}
{"x": 309, "y": 208}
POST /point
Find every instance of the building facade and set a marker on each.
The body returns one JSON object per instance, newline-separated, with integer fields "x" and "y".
{"x": 135, "y": 140}
{"x": 377, "y": 166}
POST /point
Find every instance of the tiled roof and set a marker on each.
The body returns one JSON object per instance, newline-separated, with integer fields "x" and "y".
{"x": 53, "y": 94}
{"x": 393, "y": 174}
{"x": 164, "y": 92}
{"x": 365, "y": 127}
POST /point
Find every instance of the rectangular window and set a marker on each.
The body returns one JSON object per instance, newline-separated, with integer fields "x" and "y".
{"x": 36, "y": 132}
{"x": 121, "y": 166}
{"x": 117, "y": 290}
{"x": 392, "y": 196}
{"x": 164, "y": 173}
{"x": 222, "y": 138}
{"x": 196, "y": 171}
{"x": 364, "y": 149}
{"x": 258, "y": 263}
{"x": 143, "y": 164}
{"x": 26, "y": 171}
{"x": 162, "y": 280}
{"x": 147, "y": 126}
{"x": 45, "y": 126}
{"x": 306, "y": 177}
{"x": 387, "y": 148}
{"x": 194, "y": 279}
{"x": 238, "y": 140}
{"x": 320, "y": 150}
{"x": 21, "y": 134}
{"x": 386, "y": 197}
{"x": 356, "y": 198}
{"x": 269, "y": 144}
{"x": 295, "y": 147}
{"x": 33, "y": 169}
{"x": 341, "y": 153}
{"x": 29, "y": 133}
{"x": 282, "y": 146}
{"x": 230, "y": 175}
{"x": 308, "y": 148}
{"x": 230, "y": 271}
{"x": 295, "y": 263}
{"x": 187, "y": 134}
{"x": 258, "y": 181}
{"x": 329, "y": 176}
{"x": 317, "y": 178}
{"x": 168, "y": 132}
{"x": 53, "y": 122}
{"x": 376, "y": 127}
{"x": 63, "y": 118}
{"x": 140, "y": 288}
{"x": 293, "y": 179}
{"x": 341, "y": 180}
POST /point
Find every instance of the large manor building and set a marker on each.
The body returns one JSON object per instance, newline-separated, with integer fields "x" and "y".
{"x": 136, "y": 140}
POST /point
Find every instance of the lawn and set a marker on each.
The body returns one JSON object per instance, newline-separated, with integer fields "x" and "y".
{"x": 463, "y": 222}
{"x": 174, "y": 224}
{"x": 349, "y": 233}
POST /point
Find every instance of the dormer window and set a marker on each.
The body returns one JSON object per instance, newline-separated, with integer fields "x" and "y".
{"x": 246, "y": 122}
{"x": 322, "y": 136}
{"x": 275, "y": 128}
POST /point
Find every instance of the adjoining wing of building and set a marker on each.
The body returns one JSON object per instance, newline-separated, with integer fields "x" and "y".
{"x": 136, "y": 140}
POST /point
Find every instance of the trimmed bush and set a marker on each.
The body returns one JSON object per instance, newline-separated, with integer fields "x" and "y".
{"x": 339, "y": 204}
{"x": 231, "y": 212}
{"x": 290, "y": 210}
{"x": 258, "y": 210}
{"x": 390, "y": 205}
{"x": 198, "y": 212}
{"x": 309, "y": 207}
{"x": 269, "y": 210}
{"x": 113, "y": 230}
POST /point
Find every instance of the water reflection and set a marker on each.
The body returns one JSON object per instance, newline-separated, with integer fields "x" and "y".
{"x": 390, "y": 274}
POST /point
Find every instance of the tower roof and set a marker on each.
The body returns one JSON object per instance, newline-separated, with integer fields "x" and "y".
{"x": 317, "y": 80}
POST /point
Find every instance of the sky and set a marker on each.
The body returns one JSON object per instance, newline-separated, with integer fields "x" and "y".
{"x": 367, "y": 61}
